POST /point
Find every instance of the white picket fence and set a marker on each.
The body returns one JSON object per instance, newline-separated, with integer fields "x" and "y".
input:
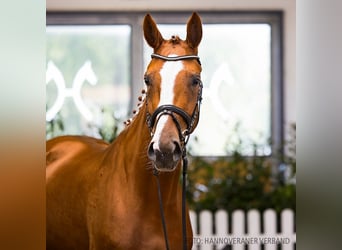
{"x": 215, "y": 232}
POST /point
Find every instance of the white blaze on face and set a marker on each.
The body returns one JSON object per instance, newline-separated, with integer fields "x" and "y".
{"x": 168, "y": 75}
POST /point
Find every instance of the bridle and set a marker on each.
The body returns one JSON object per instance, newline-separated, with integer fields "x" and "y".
{"x": 184, "y": 136}
{"x": 168, "y": 109}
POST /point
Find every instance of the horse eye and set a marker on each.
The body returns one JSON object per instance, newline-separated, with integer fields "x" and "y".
{"x": 196, "y": 80}
{"x": 147, "y": 80}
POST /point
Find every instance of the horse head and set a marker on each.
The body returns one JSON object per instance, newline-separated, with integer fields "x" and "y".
{"x": 174, "y": 91}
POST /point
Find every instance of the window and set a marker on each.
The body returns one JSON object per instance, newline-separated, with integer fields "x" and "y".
{"x": 87, "y": 75}
{"x": 241, "y": 55}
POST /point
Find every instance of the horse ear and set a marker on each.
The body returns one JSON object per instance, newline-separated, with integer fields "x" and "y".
{"x": 151, "y": 32}
{"x": 194, "y": 31}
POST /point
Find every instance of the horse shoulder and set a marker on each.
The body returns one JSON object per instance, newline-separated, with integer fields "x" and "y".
{"x": 72, "y": 151}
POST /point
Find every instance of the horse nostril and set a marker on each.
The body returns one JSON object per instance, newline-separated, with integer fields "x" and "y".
{"x": 177, "y": 153}
{"x": 165, "y": 156}
{"x": 150, "y": 152}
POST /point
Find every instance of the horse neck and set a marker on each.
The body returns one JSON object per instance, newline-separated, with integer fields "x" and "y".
{"x": 131, "y": 147}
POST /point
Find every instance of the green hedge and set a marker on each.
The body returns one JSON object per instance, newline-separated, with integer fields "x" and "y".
{"x": 239, "y": 182}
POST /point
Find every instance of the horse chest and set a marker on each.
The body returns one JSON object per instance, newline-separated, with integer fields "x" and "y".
{"x": 128, "y": 231}
{"x": 128, "y": 221}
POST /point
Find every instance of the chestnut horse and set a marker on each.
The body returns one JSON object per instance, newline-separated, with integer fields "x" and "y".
{"x": 105, "y": 196}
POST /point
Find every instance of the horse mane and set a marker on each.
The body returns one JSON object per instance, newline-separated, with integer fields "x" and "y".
{"x": 135, "y": 112}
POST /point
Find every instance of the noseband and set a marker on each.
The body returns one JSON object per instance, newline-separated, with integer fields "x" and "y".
{"x": 184, "y": 136}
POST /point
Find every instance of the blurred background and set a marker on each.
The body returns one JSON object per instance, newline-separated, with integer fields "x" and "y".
{"x": 242, "y": 173}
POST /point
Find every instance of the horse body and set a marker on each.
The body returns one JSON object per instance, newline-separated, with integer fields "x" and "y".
{"x": 104, "y": 196}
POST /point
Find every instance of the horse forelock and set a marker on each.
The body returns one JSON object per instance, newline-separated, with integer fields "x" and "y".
{"x": 175, "y": 45}
{"x": 175, "y": 39}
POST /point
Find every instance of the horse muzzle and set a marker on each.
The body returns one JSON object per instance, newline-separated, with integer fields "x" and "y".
{"x": 165, "y": 156}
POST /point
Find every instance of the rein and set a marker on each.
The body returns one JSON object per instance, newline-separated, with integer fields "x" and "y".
{"x": 156, "y": 174}
{"x": 183, "y": 136}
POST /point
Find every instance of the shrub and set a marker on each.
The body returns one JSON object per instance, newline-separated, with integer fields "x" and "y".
{"x": 241, "y": 182}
